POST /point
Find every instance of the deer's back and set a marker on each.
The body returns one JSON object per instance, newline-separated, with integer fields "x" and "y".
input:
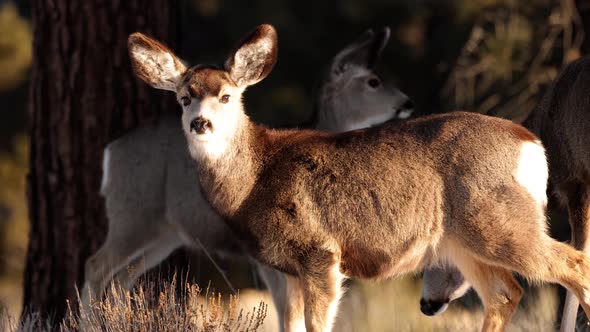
{"x": 135, "y": 171}
{"x": 386, "y": 190}
{"x": 467, "y": 151}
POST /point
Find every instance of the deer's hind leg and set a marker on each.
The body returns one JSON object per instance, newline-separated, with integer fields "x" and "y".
{"x": 515, "y": 239}
{"x": 496, "y": 287}
{"x": 568, "y": 267}
{"x": 535, "y": 256}
{"x": 121, "y": 249}
{"x": 553, "y": 261}
{"x": 153, "y": 254}
{"x": 578, "y": 203}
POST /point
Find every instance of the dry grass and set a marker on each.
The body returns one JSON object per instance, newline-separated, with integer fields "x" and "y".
{"x": 155, "y": 307}
{"x": 367, "y": 306}
{"x": 394, "y": 306}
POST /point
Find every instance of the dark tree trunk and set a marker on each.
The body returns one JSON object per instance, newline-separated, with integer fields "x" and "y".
{"x": 583, "y": 7}
{"x": 82, "y": 96}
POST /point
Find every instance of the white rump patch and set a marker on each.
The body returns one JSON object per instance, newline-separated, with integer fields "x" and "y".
{"x": 106, "y": 158}
{"x": 532, "y": 171}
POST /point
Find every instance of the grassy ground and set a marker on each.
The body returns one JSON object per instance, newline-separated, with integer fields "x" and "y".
{"x": 394, "y": 306}
{"x": 157, "y": 306}
{"x": 385, "y": 306}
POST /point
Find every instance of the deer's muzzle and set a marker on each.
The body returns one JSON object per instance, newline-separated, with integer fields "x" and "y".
{"x": 200, "y": 125}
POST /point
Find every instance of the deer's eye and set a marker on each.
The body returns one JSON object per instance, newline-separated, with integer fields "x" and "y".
{"x": 373, "y": 82}
{"x": 224, "y": 99}
{"x": 185, "y": 101}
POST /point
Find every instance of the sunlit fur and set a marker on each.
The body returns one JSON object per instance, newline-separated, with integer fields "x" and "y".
{"x": 380, "y": 202}
{"x": 214, "y": 143}
{"x": 561, "y": 121}
{"x": 149, "y": 188}
{"x": 532, "y": 172}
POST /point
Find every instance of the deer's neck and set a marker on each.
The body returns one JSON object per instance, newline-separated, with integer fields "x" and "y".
{"x": 227, "y": 179}
{"x": 326, "y": 117}
{"x": 335, "y": 113}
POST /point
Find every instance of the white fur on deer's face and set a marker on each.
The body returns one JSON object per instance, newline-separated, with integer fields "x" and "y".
{"x": 210, "y": 96}
{"x": 210, "y": 121}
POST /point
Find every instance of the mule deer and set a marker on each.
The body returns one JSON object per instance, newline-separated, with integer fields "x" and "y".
{"x": 151, "y": 189}
{"x": 370, "y": 203}
{"x": 562, "y": 122}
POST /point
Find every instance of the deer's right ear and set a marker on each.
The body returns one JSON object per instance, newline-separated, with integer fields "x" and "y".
{"x": 255, "y": 56}
{"x": 154, "y": 63}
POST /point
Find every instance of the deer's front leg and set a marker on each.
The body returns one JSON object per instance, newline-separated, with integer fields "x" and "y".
{"x": 287, "y": 295}
{"x": 322, "y": 289}
{"x": 294, "y": 315}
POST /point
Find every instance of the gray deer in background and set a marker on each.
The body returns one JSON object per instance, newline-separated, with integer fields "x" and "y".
{"x": 150, "y": 183}
{"x": 562, "y": 122}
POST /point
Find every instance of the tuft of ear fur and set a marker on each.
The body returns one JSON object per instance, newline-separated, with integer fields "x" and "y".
{"x": 363, "y": 52}
{"x": 154, "y": 63}
{"x": 255, "y": 56}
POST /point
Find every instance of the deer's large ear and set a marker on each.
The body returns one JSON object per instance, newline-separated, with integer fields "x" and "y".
{"x": 363, "y": 52}
{"x": 154, "y": 63}
{"x": 255, "y": 56}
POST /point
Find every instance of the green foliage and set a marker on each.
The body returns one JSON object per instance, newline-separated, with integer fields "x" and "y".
{"x": 15, "y": 46}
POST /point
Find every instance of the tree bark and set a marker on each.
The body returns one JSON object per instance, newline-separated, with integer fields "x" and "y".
{"x": 583, "y": 7}
{"x": 82, "y": 96}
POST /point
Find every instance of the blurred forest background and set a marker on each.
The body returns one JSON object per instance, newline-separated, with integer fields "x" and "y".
{"x": 488, "y": 56}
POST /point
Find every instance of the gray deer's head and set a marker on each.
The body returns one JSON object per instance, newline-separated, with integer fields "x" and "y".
{"x": 352, "y": 86}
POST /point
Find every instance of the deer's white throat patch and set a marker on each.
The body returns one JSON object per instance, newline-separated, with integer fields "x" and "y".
{"x": 216, "y": 142}
{"x": 209, "y": 145}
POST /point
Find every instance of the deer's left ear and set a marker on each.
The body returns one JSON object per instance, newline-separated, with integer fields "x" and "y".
{"x": 363, "y": 52}
{"x": 255, "y": 56}
{"x": 154, "y": 63}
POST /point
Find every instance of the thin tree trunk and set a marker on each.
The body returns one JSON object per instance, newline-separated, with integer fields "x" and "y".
{"x": 82, "y": 96}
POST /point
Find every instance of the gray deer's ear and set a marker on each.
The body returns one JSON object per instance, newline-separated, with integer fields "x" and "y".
{"x": 154, "y": 63}
{"x": 255, "y": 56}
{"x": 363, "y": 52}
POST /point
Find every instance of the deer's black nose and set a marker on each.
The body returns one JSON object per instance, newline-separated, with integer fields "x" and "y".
{"x": 431, "y": 308}
{"x": 200, "y": 125}
{"x": 408, "y": 105}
